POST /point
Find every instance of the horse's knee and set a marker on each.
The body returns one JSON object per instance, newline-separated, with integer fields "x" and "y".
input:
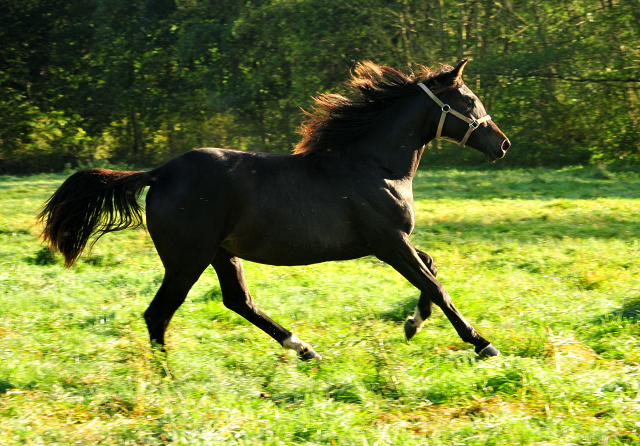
{"x": 231, "y": 304}
{"x": 239, "y": 303}
{"x": 437, "y": 294}
{"x": 429, "y": 262}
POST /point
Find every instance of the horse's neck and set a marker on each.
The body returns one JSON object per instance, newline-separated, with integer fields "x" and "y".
{"x": 396, "y": 146}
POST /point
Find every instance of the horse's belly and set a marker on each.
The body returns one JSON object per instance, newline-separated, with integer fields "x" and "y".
{"x": 289, "y": 248}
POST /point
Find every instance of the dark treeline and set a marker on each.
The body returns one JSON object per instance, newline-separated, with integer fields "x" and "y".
{"x": 140, "y": 81}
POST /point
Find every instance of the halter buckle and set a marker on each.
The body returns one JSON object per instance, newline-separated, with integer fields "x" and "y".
{"x": 474, "y": 124}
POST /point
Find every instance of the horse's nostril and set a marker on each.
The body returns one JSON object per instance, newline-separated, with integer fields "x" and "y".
{"x": 505, "y": 145}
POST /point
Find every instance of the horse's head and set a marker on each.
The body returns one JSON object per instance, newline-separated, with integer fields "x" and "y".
{"x": 461, "y": 117}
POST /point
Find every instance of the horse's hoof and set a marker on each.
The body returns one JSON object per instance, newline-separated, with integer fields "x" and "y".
{"x": 309, "y": 354}
{"x": 489, "y": 350}
{"x": 156, "y": 346}
{"x": 410, "y": 329}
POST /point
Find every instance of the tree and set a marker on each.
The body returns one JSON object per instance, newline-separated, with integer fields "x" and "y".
{"x": 143, "y": 80}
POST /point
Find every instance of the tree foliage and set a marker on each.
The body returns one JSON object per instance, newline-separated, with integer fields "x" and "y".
{"x": 143, "y": 80}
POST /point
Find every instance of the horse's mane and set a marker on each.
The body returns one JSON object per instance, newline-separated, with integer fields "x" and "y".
{"x": 338, "y": 121}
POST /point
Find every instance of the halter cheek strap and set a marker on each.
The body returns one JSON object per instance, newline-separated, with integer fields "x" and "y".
{"x": 446, "y": 109}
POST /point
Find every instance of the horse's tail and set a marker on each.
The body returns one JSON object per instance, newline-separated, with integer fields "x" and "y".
{"x": 91, "y": 202}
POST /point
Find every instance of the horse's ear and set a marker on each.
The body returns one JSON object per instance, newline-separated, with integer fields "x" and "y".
{"x": 457, "y": 71}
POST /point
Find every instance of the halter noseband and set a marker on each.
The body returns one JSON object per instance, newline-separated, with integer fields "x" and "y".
{"x": 446, "y": 109}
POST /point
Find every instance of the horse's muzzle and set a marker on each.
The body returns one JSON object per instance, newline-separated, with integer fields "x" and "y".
{"x": 493, "y": 155}
{"x": 506, "y": 144}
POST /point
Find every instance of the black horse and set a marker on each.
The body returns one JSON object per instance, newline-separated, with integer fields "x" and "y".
{"x": 346, "y": 192}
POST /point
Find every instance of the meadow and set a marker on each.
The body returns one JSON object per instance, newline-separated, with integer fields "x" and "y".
{"x": 545, "y": 263}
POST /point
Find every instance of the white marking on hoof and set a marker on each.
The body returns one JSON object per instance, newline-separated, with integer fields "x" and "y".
{"x": 304, "y": 350}
{"x": 413, "y": 325}
{"x": 417, "y": 320}
{"x": 489, "y": 350}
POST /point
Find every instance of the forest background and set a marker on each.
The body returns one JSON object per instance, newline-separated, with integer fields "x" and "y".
{"x": 139, "y": 81}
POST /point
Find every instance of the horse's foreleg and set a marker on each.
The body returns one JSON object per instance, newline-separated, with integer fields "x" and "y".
{"x": 236, "y": 297}
{"x": 424, "y": 308}
{"x": 410, "y": 263}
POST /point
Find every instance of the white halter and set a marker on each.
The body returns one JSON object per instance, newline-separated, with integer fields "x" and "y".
{"x": 446, "y": 108}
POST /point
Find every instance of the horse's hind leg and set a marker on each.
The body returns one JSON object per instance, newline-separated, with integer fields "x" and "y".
{"x": 172, "y": 293}
{"x": 236, "y": 297}
{"x": 184, "y": 260}
{"x": 186, "y": 230}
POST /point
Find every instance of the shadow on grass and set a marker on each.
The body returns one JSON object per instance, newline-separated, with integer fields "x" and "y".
{"x": 399, "y": 311}
{"x": 213, "y": 295}
{"x": 630, "y": 310}
{"x": 348, "y": 393}
{"x": 43, "y": 257}
{"x": 5, "y": 386}
{"x": 528, "y": 230}
{"x": 614, "y": 335}
{"x": 493, "y": 182}
{"x": 285, "y": 398}
{"x": 14, "y": 231}
{"x": 353, "y": 393}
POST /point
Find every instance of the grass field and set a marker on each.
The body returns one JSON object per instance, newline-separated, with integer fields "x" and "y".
{"x": 544, "y": 263}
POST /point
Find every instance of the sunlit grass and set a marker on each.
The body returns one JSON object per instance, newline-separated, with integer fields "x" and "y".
{"x": 544, "y": 263}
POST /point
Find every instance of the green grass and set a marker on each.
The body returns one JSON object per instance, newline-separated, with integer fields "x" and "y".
{"x": 544, "y": 263}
